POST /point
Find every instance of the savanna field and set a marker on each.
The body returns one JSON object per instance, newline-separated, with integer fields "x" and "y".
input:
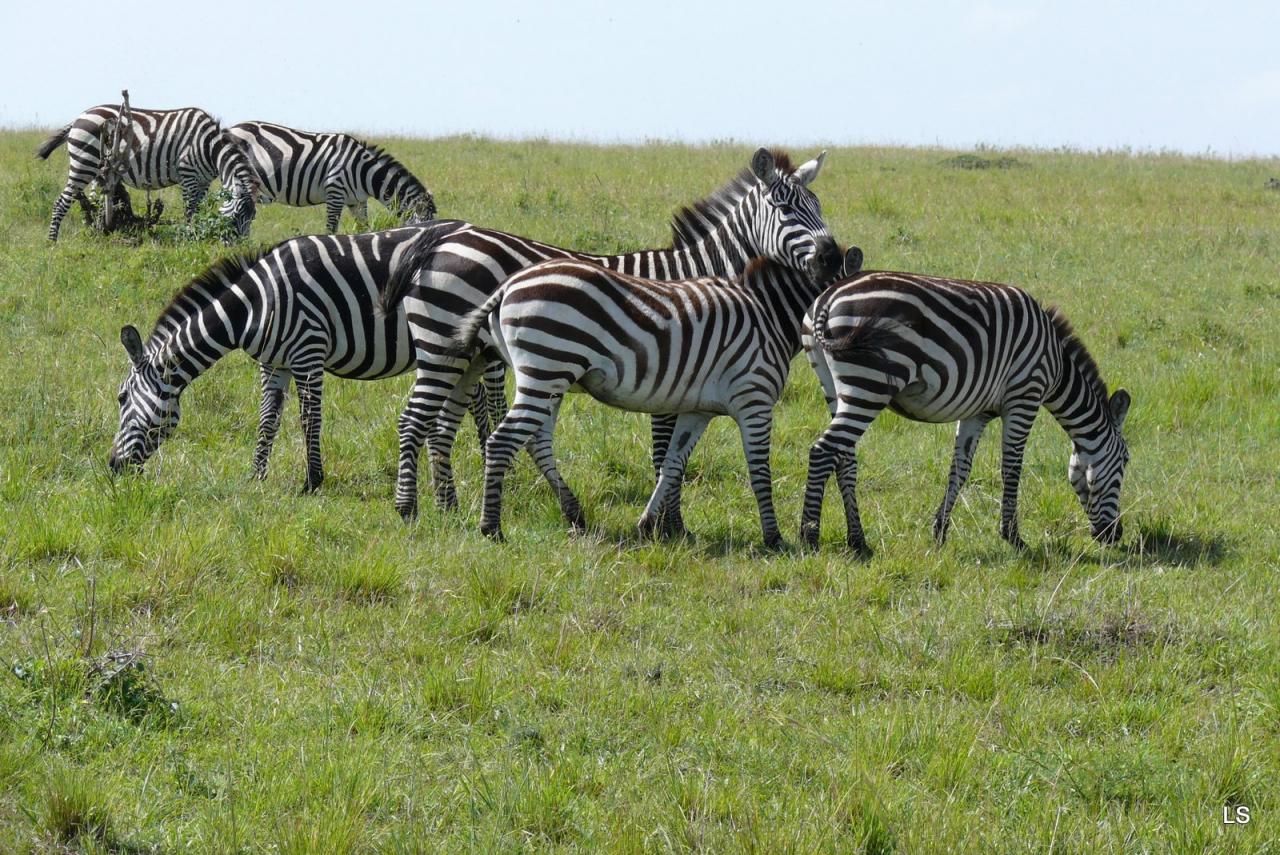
{"x": 194, "y": 661}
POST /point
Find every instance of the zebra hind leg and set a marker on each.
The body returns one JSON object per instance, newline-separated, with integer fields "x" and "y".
{"x": 685, "y": 431}
{"x": 836, "y": 450}
{"x": 544, "y": 456}
{"x": 275, "y": 382}
{"x": 310, "y": 384}
{"x": 968, "y": 432}
{"x": 532, "y": 412}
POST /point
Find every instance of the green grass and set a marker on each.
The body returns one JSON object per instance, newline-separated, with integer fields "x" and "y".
{"x": 307, "y": 674}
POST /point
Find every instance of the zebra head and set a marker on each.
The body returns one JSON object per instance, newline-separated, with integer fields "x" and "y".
{"x": 241, "y": 208}
{"x": 148, "y": 407}
{"x": 789, "y": 227}
{"x": 416, "y": 205}
{"x": 1096, "y": 474}
{"x": 237, "y": 176}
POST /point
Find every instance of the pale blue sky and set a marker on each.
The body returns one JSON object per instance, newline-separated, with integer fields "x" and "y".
{"x": 1192, "y": 77}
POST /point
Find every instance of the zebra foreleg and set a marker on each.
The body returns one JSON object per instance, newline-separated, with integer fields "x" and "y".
{"x": 310, "y": 384}
{"x": 756, "y": 425}
{"x": 335, "y": 199}
{"x": 275, "y": 382}
{"x": 670, "y": 520}
{"x": 1015, "y": 425}
{"x": 532, "y": 412}
{"x": 360, "y": 213}
{"x": 686, "y": 429}
{"x": 194, "y": 189}
{"x": 968, "y": 432}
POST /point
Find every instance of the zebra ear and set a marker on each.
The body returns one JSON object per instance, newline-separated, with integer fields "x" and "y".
{"x": 852, "y": 261}
{"x": 763, "y": 165}
{"x": 133, "y": 345}
{"x": 1119, "y": 406}
{"x": 805, "y": 174}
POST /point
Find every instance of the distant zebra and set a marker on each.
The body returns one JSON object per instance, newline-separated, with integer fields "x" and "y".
{"x": 696, "y": 348}
{"x": 300, "y": 308}
{"x": 185, "y": 147}
{"x": 302, "y": 168}
{"x": 766, "y": 210}
{"x": 940, "y": 350}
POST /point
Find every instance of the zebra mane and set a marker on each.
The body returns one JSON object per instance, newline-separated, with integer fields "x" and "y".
{"x": 213, "y": 281}
{"x": 382, "y": 157}
{"x": 1077, "y": 354}
{"x": 693, "y": 222}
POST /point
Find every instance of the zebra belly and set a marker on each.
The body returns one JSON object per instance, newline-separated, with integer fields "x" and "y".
{"x": 607, "y": 390}
{"x": 926, "y": 402}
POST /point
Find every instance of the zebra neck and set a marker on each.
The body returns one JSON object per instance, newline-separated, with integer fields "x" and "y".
{"x": 722, "y": 252}
{"x": 786, "y": 296}
{"x": 1077, "y": 404}
{"x": 188, "y": 341}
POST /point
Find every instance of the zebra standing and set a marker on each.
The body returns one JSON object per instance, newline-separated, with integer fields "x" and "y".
{"x": 302, "y": 168}
{"x": 695, "y": 348}
{"x": 185, "y": 147}
{"x": 766, "y": 210}
{"x": 300, "y": 308}
{"x": 940, "y": 350}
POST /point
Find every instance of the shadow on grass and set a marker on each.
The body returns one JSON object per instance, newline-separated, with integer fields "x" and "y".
{"x": 1159, "y": 543}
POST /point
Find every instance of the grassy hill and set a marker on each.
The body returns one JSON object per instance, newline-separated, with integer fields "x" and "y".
{"x": 197, "y": 662}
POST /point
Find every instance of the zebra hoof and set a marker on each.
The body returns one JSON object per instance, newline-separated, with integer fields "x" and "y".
{"x": 858, "y": 546}
{"x": 258, "y": 475}
{"x": 647, "y": 525}
{"x": 939, "y": 532}
{"x": 312, "y": 484}
{"x": 809, "y": 534}
{"x": 408, "y": 513}
{"x": 493, "y": 532}
{"x": 774, "y": 543}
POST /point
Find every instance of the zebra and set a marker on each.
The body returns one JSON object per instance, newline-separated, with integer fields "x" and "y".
{"x": 767, "y": 209}
{"x": 300, "y": 308}
{"x": 939, "y": 350}
{"x": 302, "y": 168}
{"x": 694, "y": 348}
{"x": 184, "y": 146}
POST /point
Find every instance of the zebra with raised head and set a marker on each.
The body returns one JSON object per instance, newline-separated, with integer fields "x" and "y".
{"x": 940, "y": 350}
{"x": 303, "y": 168}
{"x": 767, "y": 209}
{"x": 694, "y": 348}
{"x": 300, "y": 308}
{"x": 186, "y": 147}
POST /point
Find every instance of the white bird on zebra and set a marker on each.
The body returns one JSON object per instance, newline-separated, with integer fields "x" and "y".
{"x": 767, "y": 209}
{"x": 184, "y": 146}
{"x": 940, "y": 350}
{"x": 694, "y": 348}
{"x": 302, "y": 168}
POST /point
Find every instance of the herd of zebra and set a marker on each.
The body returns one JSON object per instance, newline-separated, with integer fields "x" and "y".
{"x": 706, "y": 326}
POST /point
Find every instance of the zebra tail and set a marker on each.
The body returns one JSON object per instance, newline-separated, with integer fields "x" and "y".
{"x": 53, "y": 142}
{"x": 464, "y": 340}
{"x": 400, "y": 282}
{"x": 866, "y": 339}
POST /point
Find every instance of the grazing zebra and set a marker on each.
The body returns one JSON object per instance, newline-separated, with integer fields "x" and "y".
{"x": 940, "y": 350}
{"x": 185, "y": 147}
{"x": 766, "y": 210}
{"x": 694, "y": 348}
{"x": 301, "y": 168}
{"x": 300, "y": 308}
